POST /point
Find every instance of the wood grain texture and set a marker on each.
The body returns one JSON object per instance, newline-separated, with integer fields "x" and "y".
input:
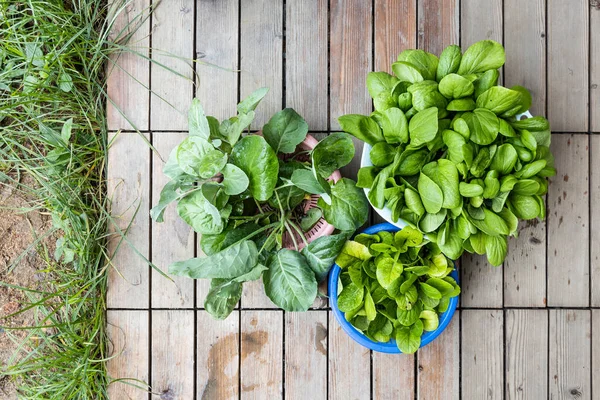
{"x": 526, "y": 58}
{"x": 395, "y": 23}
{"x": 128, "y": 186}
{"x": 217, "y": 357}
{"x": 481, "y": 282}
{"x": 173, "y": 239}
{"x": 525, "y": 266}
{"x": 480, "y": 20}
{"x": 595, "y": 350}
{"x": 306, "y": 60}
{"x": 482, "y": 354}
{"x": 568, "y": 44}
{"x": 350, "y": 59}
{"x": 128, "y": 79}
{"x": 172, "y": 71}
{"x": 261, "y": 47}
{"x": 253, "y": 296}
{"x": 526, "y": 346}
{"x": 393, "y": 376}
{"x": 438, "y": 25}
{"x": 595, "y": 66}
{"x": 349, "y": 365}
{"x": 570, "y": 347}
{"x": 172, "y": 361}
{"x": 306, "y": 355}
{"x": 128, "y": 351}
{"x": 262, "y": 355}
{"x": 217, "y": 49}
{"x": 438, "y": 364}
{"x": 568, "y": 223}
{"x": 595, "y": 219}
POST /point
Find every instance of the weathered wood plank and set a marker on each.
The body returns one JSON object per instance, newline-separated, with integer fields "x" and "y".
{"x": 438, "y": 25}
{"x": 128, "y": 352}
{"x": 172, "y": 240}
{"x": 262, "y": 355}
{"x": 306, "y": 60}
{"x": 217, "y": 357}
{"x": 595, "y": 350}
{"x": 438, "y": 364}
{"x": 306, "y": 355}
{"x": 217, "y": 32}
{"x": 393, "y": 376}
{"x": 129, "y": 74}
{"x": 172, "y": 71}
{"x": 568, "y": 219}
{"x": 526, "y": 345}
{"x": 349, "y": 365}
{"x": 595, "y": 66}
{"x": 525, "y": 266}
{"x": 526, "y": 58}
{"x": 395, "y": 23}
{"x": 595, "y": 219}
{"x": 568, "y": 44}
{"x": 261, "y": 47}
{"x": 253, "y": 296}
{"x": 482, "y": 354}
{"x": 350, "y": 59}
{"x": 481, "y": 282}
{"x": 172, "y": 359}
{"x": 128, "y": 186}
{"x": 570, "y": 347}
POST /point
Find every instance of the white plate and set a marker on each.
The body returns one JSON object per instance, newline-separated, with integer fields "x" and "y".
{"x": 385, "y": 212}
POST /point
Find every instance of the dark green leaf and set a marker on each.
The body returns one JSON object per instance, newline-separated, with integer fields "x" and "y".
{"x": 258, "y": 160}
{"x": 285, "y": 130}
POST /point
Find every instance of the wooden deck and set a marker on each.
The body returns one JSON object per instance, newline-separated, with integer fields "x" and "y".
{"x": 530, "y": 329}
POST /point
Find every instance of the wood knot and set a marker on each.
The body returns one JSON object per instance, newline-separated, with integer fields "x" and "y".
{"x": 167, "y": 395}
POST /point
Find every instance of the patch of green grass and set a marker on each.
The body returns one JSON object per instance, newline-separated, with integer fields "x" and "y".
{"x": 53, "y": 55}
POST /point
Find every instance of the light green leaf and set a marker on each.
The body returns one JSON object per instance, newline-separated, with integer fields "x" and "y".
{"x": 250, "y": 103}
{"x": 430, "y": 320}
{"x": 222, "y": 298}
{"x": 408, "y": 338}
{"x": 423, "y": 127}
{"x": 259, "y": 162}
{"x": 483, "y": 125}
{"x": 198, "y": 124}
{"x": 378, "y": 82}
{"x": 285, "y": 130}
{"x": 322, "y": 252}
{"x": 394, "y": 126}
{"x": 361, "y": 127}
{"x": 200, "y": 214}
{"x": 332, "y": 153}
{"x": 406, "y": 72}
{"x": 431, "y": 194}
{"x": 235, "y": 181}
{"x": 482, "y": 56}
{"x": 350, "y": 297}
{"x": 454, "y": 86}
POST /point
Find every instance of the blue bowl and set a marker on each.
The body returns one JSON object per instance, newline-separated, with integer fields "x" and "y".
{"x": 359, "y": 337}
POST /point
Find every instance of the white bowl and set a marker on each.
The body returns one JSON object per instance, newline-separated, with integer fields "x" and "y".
{"x": 385, "y": 212}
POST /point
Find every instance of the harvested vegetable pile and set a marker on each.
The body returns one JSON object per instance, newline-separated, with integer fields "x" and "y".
{"x": 449, "y": 154}
{"x": 395, "y": 286}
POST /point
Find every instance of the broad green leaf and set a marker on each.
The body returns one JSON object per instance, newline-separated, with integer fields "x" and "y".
{"x": 441, "y": 285}
{"x": 533, "y": 124}
{"x": 250, "y": 103}
{"x": 378, "y": 82}
{"x": 349, "y": 207}
{"x": 361, "y": 127}
{"x": 388, "y": 270}
{"x": 531, "y": 169}
{"x": 409, "y": 317}
{"x": 499, "y": 99}
{"x": 366, "y": 177}
{"x": 168, "y": 194}
{"x": 430, "y": 320}
{"x": 259, "y": 162}
{"x": 526, "y": 187}
{"x": 230, "y": 263}
{"x": 486, "y": 81}
{"x": 382, "y": 154}
{"x": 425, "y": 62}
{"x": 383, "y": 101}
{"x": 413, "y": 202}
{"x": 430, "y": 222}
{"x": 196, "y": 156}
{"x": 332, "y": 153}
{"x": 289, "y": 281}
{"x": 351, "y": 252}
{"x": 447, "y": 175}
{"x": 394, "y": 126}
{"x": 235, "y": 181}
{"x": 311, "y": 217}
{"x": 321, "y": 253}
{"x": 198, "y": 124}
{"x": 526, "y": 99}
{"x": 200, "y": 214}
{"x": 212, "y": 244}
{"x": 410, "y": 162}
{"x": 408, "y": 338}
{"x": 454, "y": 86}
{"x": 285, "y": 130}
{"x": 232, "y": 128}
{"x": 370, "y": 310}
{"x": 222, "y": 298}
{"x": 495, "y": 249}
{"x": 406, "y": 72}
{"x": 483, "y": 125}
{"x": 492, "y": 224}
{"x": 524, "y": 207}
{"x": 350, "y": 297}
{"x": 430, "y": 291}
{"x": 306, "y": 181}
{"x": 482, "y": 56}
{"x": 461, "y": 105}
{"x": 423, "y": 127}
{"x": 449, "y": 61}
{"x": 505, "y": 159}
{"x": 431, "y": 194}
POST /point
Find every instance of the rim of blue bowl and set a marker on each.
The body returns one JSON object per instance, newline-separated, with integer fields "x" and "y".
{"x": 389, "y": 347}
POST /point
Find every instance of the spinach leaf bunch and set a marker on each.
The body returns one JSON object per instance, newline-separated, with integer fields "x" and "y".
{"x": 248, "y": 194}
{"x": 449, "y": 155}
{"x": 395, "y": 286}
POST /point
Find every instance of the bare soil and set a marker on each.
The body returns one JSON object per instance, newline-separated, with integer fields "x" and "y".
{"x": 17, "y": 232}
